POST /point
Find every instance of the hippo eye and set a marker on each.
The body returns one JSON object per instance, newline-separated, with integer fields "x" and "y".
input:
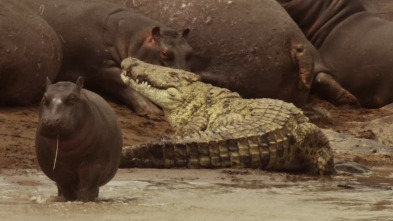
{"x": 45, "y": 100}
{"x": 71, "y": 99}
{"x": 166, "y": 55}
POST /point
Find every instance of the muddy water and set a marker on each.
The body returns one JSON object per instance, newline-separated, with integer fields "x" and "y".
{"x": 148, "y": 194}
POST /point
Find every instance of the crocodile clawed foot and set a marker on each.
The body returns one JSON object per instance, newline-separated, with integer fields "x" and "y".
{"x": 323, "y": 163}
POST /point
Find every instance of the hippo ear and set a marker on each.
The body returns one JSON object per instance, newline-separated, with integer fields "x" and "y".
{"x": 48, "y": 82}
{"x": 156, "y": 33}
{"x": 80, "y": 81}
{"x": 185, "y": 32}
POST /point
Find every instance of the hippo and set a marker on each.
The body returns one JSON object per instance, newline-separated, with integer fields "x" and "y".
{"x": 96, "y": 36}
{"x": 30, "y": 51}
{"x": 78, "y": 140}
{"x": 381, "y": 8}
{"x": 251, "y": 47}
{"x": 354, "y": 44}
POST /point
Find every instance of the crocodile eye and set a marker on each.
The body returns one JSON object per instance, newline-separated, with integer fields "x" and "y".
{"x": 166, "y": 55}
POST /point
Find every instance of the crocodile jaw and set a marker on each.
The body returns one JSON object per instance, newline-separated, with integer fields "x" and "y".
{"x": 169, "y": 98}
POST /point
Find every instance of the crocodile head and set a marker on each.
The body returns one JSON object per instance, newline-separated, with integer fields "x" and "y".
{"x": 164, "y": 86}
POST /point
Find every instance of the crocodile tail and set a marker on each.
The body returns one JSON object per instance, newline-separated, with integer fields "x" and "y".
{"x": 166, "y": 154}
{"x": 273, "y": 150}
{"x": 266, "y": 151}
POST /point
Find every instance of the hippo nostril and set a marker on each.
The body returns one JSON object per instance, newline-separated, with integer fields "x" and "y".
{"x": 51, "y": 122}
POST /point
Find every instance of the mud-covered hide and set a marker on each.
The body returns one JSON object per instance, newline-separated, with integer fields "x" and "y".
{"x": 246, "y": 46}
{"x": 30, "y": 51}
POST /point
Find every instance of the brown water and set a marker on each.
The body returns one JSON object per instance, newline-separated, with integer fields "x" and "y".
{"x": 149, "y": 194}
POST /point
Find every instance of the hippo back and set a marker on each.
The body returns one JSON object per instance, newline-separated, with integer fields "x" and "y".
{"x": 353, "y": 43}
{"x": 30, "y": 51}
{"x": 245, "y": 44}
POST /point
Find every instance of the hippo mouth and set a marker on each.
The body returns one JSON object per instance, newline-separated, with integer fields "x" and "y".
{"x": 53, "y": 132}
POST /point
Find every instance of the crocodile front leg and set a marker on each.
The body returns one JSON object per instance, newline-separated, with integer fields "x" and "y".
{"x": 194, "y": 125}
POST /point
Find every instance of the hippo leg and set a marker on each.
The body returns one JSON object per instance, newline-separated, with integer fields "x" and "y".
{"x": 87, "y": 194}
{"x": 66, "y": 185}
{"x": 89, "y": 182}
{"x": 141, "y": 105}
{"x": 331, "y": 90}
{"x": 59, "y": 192}
{"x": 67, "y": 191}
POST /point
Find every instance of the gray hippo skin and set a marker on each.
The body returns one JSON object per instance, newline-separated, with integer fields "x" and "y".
{"x": 252, "y": 47}
{"x": 354, "y": 44}
{"x": 96, "y": 36}
{"x": 89, "y": 140}
{"x": 30, "y": 51}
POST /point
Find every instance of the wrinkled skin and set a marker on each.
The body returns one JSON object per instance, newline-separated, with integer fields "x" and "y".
{"x": 381, "y": 8}
{"x": 89, "y": 140}
{"x": 251, "y": 47}
{"x": 30, "y": 51}
{"x": 97, "y": 36}
{"x": 354, "y": 44}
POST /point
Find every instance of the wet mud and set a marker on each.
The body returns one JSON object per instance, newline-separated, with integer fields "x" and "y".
{"x": 225, "y": 194}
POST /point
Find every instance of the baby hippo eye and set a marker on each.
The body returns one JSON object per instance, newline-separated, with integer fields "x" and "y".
{"x": 45, "y": 100}
{"x": 166, "y": 55}
{"x": 71, "y": 99}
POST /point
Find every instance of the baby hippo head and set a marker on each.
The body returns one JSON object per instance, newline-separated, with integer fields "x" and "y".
{"x": 61, "y": 109}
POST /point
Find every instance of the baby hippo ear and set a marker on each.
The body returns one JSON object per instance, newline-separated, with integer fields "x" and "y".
{"x": 185, "y": 32}
{"x": 48, "y": 82}
{"x": 154, "y": 36}
{"x": 80, "y": 81}
{"x": 156, "y": 33}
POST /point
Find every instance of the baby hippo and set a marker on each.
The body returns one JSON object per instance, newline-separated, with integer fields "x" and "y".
{"x": 78, "y": 140}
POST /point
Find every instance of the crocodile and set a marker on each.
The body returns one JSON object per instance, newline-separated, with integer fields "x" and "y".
{"x": 215, "y": 127}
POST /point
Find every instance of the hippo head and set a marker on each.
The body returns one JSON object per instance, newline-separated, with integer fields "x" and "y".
{"x": 62, "y": 108}
{"x": 166, "y": 47}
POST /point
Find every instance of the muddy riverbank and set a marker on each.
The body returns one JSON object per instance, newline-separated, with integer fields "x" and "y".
{"x": 227, "y": 194}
